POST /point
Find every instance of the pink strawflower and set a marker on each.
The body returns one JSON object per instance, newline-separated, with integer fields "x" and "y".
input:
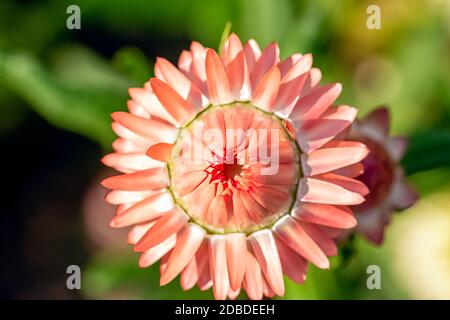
{"x": 383, "y": 175}
{"x": 224, "y": 208}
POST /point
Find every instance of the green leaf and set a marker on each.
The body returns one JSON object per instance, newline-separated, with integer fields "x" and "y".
{"x": 427, "y": 151}
{"x": 304, "y": 29}
{"x": 347, "y": 252}
{"x": 132, "y": 63}
{"x": 225, "y": 34}
{"x": 265, "y": 21}
{"x": 79, "y": 67}
{"x": 114, "y": 274}
{"x": 82, "y": 111}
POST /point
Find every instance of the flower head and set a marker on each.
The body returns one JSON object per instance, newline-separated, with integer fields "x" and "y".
{"x": 235, "y": 169}
{"x": 383, "y": 175}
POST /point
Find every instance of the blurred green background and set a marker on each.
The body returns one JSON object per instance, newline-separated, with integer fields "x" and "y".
{"x": 58, "y": 87}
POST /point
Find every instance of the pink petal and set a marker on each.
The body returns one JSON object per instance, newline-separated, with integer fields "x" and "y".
{"x": 253, "y": 279}
{"x": 319, "y": 191}
{"x": 161, "y": 152}
{"x": 148, "y": 100}
{"x": 302, "y": 66}
{"x": 314, "y": 133}
{"x": 198, "y": 63}
{"x": 287, "y": 63}
{"x": 217, "y": 79}
{"x": 239, "y": 78}
{"x": 236, "y": 249}
{"x": 185, "y": 62}
{"x": 286, "y": 153}
{"x": 241, "y": 215}
{"x": 154, "y": 254}
{"x": 120, "y": 196}
{"x": 205, "y": 283}
{"x": 187, "y": 182}
{"x": 294, "y": 236}
{"x": 153, "y": 130}
{"x": 252, "y": 53}
{"x": 266, "y": 253}
{"x": 269, "y": 58}
{"x": 218, "y": 211}
{"x": 187, "y": 245}
{"x": 126, "y": 146}
{"x": 204, "y": 274}
{"x": 372, "y": 222}
{"x": 231, "y": 48}
{"x": 148, "y": 209}
{"x": 218, "y": 266}
{"x": 332, "y": 158}
{"x": 224, "y": 207}
{"x": 270, "y": 198}
{"x": 255, "y": 211}
{"x": 324, "y": 214}
{"x": 189, "y": 275}
{"x": 402, "y": 194}
{"x": 377, "y": 122}
{"x": 267, "y": 290}
{"x": 232, "y": 295}
{"x": 332, "y": 232}
{"x": 163, "y": 262}
{"x": 294, "y": 266}
{"x": 178, "y": 81}
{"x": 175, "y": 105}
{"x": 316, "y": 102}
{"x": 292, "y": 84}
{"x": 122, "y": 208}
{"x": 151, "y": 179}
{"x": 396, "y": 146}
{"x": 351, "y": 171}
{"x": 167, "y": 225}
{"x": 288, "y": 95}
{"x": 141, "y": 142}
{"x": 200, "y": 199}
{"x": 136, "y": 233}
{"x": 138, "y": 110}
{"x": 267, "y": 90}
{"x": 325, "y": 243}
{"x": 284, "y": 176}
{"x": 350, "y": 184}
{"x": 130, "y": 161}
{"x": 315, "y": 75}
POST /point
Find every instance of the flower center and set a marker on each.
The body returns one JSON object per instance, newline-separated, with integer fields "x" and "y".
{"x": 234, "y": 168}
{"x": 229, "y": 171}
{"x": 224, "y": 172}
